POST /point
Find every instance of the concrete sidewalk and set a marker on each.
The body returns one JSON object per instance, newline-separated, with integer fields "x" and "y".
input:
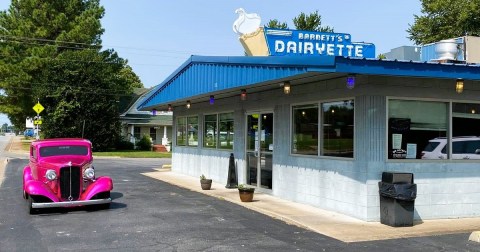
{"x": 13, "y": 149}
{"x": 338, "y": 226}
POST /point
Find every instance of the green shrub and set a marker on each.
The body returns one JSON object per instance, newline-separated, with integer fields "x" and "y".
{"x": 123, "y": 144}
{"x": 145, "y": 143}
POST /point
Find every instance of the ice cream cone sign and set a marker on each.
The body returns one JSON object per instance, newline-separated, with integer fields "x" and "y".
{"x": 246, "y": 22}
{"x": 252, "y": 37}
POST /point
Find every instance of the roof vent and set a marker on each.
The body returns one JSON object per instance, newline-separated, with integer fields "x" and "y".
{"x": 446, "y": 49}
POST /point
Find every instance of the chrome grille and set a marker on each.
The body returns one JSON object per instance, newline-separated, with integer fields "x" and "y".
{"x": 70, "y": 182}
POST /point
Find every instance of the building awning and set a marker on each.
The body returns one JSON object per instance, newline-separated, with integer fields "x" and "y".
{"x": 202, "y": 76}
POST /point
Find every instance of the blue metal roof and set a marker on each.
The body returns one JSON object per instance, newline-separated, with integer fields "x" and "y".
{"x": 201, "y": 75}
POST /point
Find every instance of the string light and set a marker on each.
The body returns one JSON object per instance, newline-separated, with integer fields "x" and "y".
{"x": 243, "y": 95}
{"x": 286, "y": 87}
{"x": 459, "y": 86}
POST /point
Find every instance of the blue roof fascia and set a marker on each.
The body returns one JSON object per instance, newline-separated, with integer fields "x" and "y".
{"x": 407, "y": 69}
{"x": 201, "y": 75}
{"x": 205, "y": 74}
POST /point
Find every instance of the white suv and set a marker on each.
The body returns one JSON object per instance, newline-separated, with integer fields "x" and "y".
{"x": 463, "y": 147}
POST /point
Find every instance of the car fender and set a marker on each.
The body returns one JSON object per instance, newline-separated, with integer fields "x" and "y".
{"x": 33, "y": 187}
{"x": 101, "y": 184}
{"x": 27, "y": 175}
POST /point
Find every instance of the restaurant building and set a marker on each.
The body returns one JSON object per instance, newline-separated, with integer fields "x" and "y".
{"x": 317, "y": 121}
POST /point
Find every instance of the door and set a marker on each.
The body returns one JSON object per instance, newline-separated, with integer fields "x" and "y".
{"x": 259, "y": 149}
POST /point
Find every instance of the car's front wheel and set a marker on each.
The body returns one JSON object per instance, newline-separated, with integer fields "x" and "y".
{"x": 30, "y": 208}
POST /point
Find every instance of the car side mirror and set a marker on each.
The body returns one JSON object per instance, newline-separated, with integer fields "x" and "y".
{"x": 477, "y": 151}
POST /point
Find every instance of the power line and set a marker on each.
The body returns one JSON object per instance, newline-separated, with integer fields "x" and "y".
{"x": 77, "y": 89}
{"x": 55, "y": 42}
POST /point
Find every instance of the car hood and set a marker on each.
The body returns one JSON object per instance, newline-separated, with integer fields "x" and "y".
{"x": 62, "y": 161}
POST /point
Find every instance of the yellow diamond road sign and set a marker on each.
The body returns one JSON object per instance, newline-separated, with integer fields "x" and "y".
{"x": 38, "y": 108}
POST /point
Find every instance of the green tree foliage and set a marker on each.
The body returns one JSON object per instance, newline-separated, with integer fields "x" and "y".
{"x": 311, "y": 22}
{"x": 444, "y": 19}
{"x": 381, "y": 56}
{"x": 51, "y": 51}
{"x": 274, "y": 23}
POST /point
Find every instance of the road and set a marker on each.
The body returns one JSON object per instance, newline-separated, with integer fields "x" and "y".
{"x": 150, "y": 215}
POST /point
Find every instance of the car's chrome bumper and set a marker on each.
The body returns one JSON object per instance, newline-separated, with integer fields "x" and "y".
{"x": 71, "y": 203}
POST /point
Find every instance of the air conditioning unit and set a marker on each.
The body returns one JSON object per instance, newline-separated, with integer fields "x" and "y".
{"x": 464, "y": 49}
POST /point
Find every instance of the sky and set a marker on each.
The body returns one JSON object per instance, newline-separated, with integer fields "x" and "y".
{"x": 156, "y": 37}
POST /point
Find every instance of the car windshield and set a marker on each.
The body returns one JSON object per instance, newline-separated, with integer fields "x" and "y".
{"x": 431, "y": 146}
{"x": 63, "y": 150}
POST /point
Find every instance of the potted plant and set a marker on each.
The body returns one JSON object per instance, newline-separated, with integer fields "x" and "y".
{"x": 205, "y": 183}
{"x": 246, "y": 193}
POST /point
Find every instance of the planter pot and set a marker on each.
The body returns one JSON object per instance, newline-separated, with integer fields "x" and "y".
{"x": 246, "y": 195}
{"x": 206, "y": 184}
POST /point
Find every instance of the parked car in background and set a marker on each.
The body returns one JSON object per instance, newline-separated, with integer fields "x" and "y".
{"x": 463, "y": 147}
{"x": 61, "y": 174}
{"x": 28, "y": 133}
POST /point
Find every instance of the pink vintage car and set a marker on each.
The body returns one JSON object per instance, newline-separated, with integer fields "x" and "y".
{"x": 60, "y": 174}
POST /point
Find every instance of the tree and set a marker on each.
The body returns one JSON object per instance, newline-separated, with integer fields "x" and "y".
{"x": 51, "y": 51}
{"x": 381, "y": 56}
{"x": 443, "y": 19}
{"x": 311, "y": 22}
{"x": 274, "y": 23}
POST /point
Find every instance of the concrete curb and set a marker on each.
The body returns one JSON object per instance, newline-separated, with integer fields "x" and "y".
{"x": 3, "y": 164}
{"x": 474, "y": 236}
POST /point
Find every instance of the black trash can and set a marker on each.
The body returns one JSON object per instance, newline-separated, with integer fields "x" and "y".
{"x": 397, "y": 199}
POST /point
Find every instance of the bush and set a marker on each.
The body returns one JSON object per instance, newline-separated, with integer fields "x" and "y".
{"x": 123, "y": 144}
{"x": 145, "y": 143}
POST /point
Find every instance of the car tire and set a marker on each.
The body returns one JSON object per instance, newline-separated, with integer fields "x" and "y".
{"x": 30, "y": 208}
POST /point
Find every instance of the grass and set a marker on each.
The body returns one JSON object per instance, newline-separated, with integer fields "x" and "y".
{"x": 133, "y": 154}
{"x": 124, "y": 154}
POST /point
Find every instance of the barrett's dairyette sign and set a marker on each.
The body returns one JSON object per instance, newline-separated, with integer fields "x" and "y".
{"x": 293, "y": 42}
{"x": 259, "y": 41}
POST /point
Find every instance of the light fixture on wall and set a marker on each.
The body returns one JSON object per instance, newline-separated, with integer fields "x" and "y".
{"x": 212, "y": 99}
{"x": 243, "y": 95}
{"x": 286, "y": 87}
{"x": 459, "y": 85}
{"x": 188, "y": 104}
{"x": 169, "y": 107}
{"x": 350, "y": 81}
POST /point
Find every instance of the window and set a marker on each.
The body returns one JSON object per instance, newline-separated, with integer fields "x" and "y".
{"x": 153, "y": 134}
{"x": 336, "y": 132}
{"x": 305, "y": 129}
{"x": 187, "y": 131}
{"x": 337, "y": 121}
{"x": 210, "y": 131}
{"x": 136, "y": 133}
{"x": 226, "y": 131}
{"x": 33, "y": 152}
{"x": 417, "y": 129}
{"x": 181, "y": 131}
{"x": 465, "y": 131}
{"x": 192, "y": 123}
{"x": 218, "y": 131}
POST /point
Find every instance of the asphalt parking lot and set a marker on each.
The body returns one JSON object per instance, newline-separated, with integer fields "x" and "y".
{"x": 151, "y": 215}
